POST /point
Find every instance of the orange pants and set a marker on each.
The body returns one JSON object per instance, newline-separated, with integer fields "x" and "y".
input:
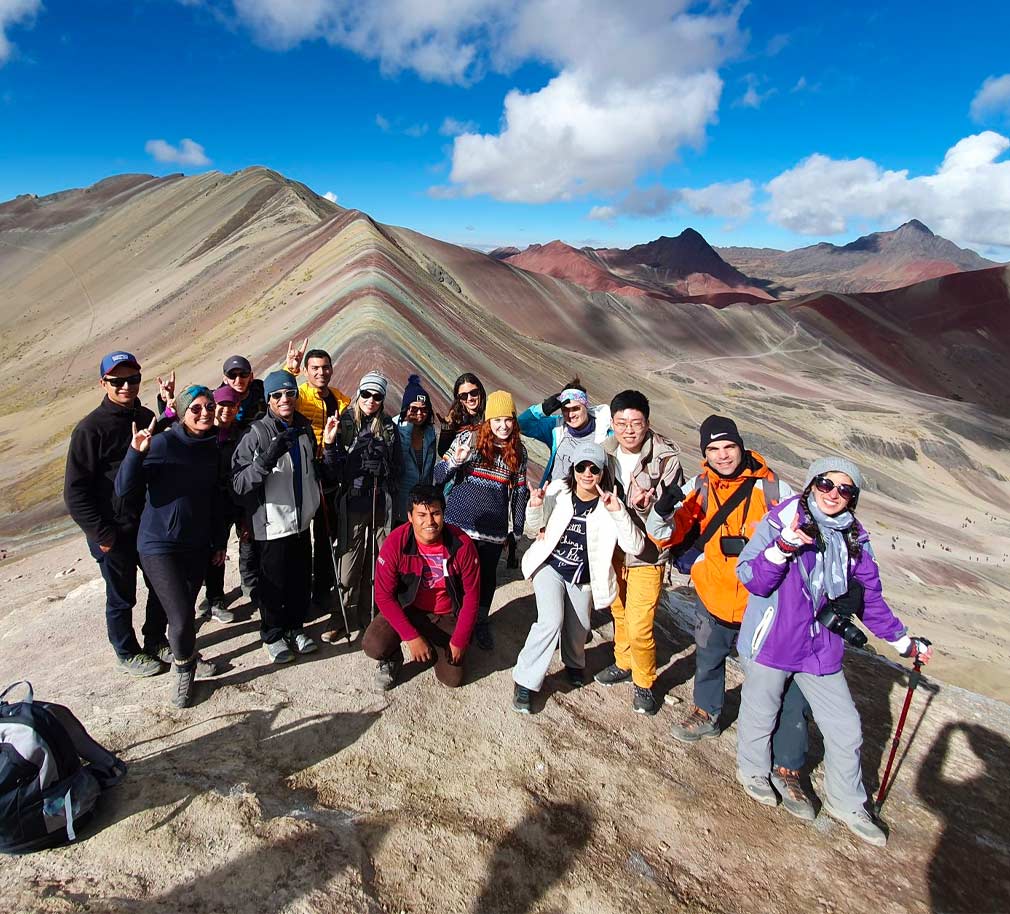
{"x": 634, "y": 612}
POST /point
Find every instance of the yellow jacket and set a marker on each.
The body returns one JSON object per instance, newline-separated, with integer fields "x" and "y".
{"x": 312, "y": 405}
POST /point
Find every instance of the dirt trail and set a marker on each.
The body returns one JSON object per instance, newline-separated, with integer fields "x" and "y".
{"x": 299, "y": 789}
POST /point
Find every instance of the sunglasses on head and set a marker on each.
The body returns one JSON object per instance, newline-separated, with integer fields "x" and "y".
{"x": 239, "y": 373}
{"x": 132, "y": 380}
{"x": 468, "y": 394}
{"x": 201, "y": 408}
{"x": 284, "y": 395}
{"x": 373, "y": 395}
{"x": 588, "y": 465}
{"x": 845, "y": 489}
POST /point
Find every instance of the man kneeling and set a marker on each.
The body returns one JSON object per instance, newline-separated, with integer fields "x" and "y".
{"x": 427, "y": 585}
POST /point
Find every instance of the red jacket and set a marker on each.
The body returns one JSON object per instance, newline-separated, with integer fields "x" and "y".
{"x": 398, "y": 575}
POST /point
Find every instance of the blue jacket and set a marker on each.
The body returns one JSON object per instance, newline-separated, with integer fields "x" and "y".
{"x": 551, "y": 430}
{"x": 410, "y": 473}
{"x": 184, "y": 503}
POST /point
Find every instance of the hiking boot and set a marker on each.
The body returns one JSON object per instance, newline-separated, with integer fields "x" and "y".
{"x": 794, "y": 799}
{"x": 612, "y": 675}
{"x": 185, "y": 676}
{"x": 207, "y": 668}
{"x": 521, "y": 699}
{"x": 387, "y": 673}
{"x": 140, "y": 665}
{"x": 483, "y": 637}
{"x": 859, "y": 823}
{"x": 219, "y": 613}
{"x": 756, "y": 786}
{"x": 334, "y": 635}
{"x": 163, "y": 652}
{"x": 203, "y": 613}
{"x": 576, "y": 677}
{"x": 278, "y": 651}
{"x": 644, "y": 701}
{"x": 696, "y": 726}
{"x": 300, "y": 643}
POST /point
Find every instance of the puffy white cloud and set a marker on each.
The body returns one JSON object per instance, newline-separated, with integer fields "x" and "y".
{"x": 733, "y": 201}
{"x": 967, "y": 199}
{"x": 15, "y": 12}
{"x": 329, "y": 195}
{"x": 993, "y": 97}
{"x": 187, "y": 152}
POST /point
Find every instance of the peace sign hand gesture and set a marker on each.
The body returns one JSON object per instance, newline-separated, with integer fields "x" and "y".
{"x": 141, "y": 440}
{"x": 293, "y": 363}
{"x": 536, "y": 498}
{"x": 610, "y": 501}
{"x": 330, "y": 430}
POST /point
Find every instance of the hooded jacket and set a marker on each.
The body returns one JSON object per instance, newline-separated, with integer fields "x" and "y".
{"x": 412, "y": 473}
{"x": 779, "y": 627}
{"x": 552, "y": 431}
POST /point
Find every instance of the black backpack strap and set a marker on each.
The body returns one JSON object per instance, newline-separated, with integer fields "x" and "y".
{"x": 14, "y": 685}
{"x": 107, "y": 768}
{"x": 744, "y": 491}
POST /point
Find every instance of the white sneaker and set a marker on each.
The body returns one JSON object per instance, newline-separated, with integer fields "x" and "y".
{"x": 859, "y": 823}
{"x": 278, "y": 651}
{"x": 758, "y": 788}
{"x": 301, "y": 643}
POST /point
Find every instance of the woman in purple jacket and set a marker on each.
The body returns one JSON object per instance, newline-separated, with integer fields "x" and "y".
{"x": 808, "y": 558}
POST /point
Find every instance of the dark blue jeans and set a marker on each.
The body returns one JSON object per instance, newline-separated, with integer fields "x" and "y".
{"x": 119, "y": 570}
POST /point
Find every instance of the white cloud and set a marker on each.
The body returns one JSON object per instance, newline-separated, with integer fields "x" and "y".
{"x": 411, "y": 130}
{"x": 967, "y": 199}
{"x": 732, "y": 201}
{"x": 753, "y": 97}
{"x": 329, "y": 195}
{"x": 452, "y": 127}
{"x": 382, "y": 123}
{"x": 992, "y": 98}
{"x": 187, "y": 152}
{"x": 15, "y": 12}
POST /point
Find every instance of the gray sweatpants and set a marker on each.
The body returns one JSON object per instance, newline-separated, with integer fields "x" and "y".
{"x": 554, "y": 620}
{"x": 835, "y": 714}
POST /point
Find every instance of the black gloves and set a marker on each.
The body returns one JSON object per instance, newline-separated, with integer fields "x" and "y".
{"x": 552, "y": 404}
{"x": 667, "y": 503}
{"x": 277, "y": 448}
{"x": 373, "y": 460}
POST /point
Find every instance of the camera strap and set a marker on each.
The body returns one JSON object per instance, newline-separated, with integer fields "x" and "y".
{"x": 725, "y": 510}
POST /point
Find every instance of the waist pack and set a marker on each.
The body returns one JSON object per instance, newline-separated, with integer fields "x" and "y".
{"x": 45, "y": 791}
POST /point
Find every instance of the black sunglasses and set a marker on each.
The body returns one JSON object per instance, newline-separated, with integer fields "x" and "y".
{"x": 825, "y": 485}
{"x": 468, "y": 394}
{"x": 371, "y": 395}
{"x": 239, "y": 373}
{"x": 590, "y": 466}
{"x": 284, "y": 395}
{"x": 133, "y": 380}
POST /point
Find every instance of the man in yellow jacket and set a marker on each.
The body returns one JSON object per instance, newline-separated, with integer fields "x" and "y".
{"x": 317, "y": 401}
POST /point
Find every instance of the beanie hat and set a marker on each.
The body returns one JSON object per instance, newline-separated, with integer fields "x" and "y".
{"x": 414, "y": 393}
{"x": 226, "y": 394}
{"x": 279, "y": 380}
{"x": 184, "y": 400}
{"x": 719, "y": 428}
{"x": 591, "y": 451}
{"x": 373, "y": 381}
{"x": 499, "y": 405}
{"x": 834, "y": 465}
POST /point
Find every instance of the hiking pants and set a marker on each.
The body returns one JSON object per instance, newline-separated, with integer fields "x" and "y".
{"x": 177, "y": 578}
{"x": 835, "y": 714}
{"x": 356, "y": 565}
{"x": 214, "y": 578}
{"x": 119, "y": 570}
{"x": 562, "y": 613}
{"x": 489, "y": 555}
{"x": 381, "y": 642}
{"x": 634, "y": 612}
{"x": 285, "y": 580}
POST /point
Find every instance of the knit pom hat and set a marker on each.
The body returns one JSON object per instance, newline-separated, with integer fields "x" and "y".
{"x": 184, "y": 400}
{"x": 834, "y": 465}
{"x": 719, "y": 428}
{"x": 373, "y": 381}
{"x": 499, "y": 405}
{"x": 279, "y": 380}
{"x": 414, "y": 393}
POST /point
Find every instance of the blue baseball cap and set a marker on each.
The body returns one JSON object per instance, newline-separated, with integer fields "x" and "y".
{"x": 117, "y": 358}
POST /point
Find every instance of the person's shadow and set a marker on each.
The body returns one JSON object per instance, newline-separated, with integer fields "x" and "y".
{"x": 970, "y": 868}
{"x": 533, "y": 856}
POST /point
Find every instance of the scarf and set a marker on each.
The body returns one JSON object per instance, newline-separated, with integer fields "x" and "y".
{"x": 830, "y": 574}
{"x": 586, "y": 429}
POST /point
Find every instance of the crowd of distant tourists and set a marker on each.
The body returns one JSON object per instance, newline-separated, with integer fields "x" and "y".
{"x": 395, "y": 531}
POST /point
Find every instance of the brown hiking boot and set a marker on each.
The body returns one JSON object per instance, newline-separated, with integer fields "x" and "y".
{"x": 696, "y": 726}
{"x": 794, "y": 798}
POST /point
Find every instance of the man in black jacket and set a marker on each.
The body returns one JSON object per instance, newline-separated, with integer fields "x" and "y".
{"x": 97, "y": 447}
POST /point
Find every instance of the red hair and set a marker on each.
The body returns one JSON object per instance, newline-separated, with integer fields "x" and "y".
{"x": 510, "y": 447}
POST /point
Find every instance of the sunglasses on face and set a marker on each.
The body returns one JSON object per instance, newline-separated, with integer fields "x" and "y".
{"x": 588, "y": 466}
{"x": 197, "y": 408}
{"x": 284, "y": 395}
{"x": 825, "y": 485}
{"x": 417, "y": 409}
{"x": 468, "y": 394}
{"x": 239, "y": 373}
{"x": 132, "y": 380}
{"x": 371, "y": 395}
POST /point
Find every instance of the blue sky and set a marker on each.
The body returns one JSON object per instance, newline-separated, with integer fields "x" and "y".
{"x": 770, "y": 123}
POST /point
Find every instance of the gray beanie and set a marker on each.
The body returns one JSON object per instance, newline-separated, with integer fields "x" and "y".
{"x": 589, "y": 450}
{"x": 373, "y": 381}
{"x": 834, "y": 465}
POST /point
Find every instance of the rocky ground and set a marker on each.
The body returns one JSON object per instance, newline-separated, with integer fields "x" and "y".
{"x": 299, "y": 789}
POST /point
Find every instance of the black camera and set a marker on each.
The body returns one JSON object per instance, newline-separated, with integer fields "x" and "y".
{"x": 836, "y": 616}
{"x": 732, "y": 546}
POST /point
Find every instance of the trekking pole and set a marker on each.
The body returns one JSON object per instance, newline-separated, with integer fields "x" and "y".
{"x": 913, "y": 681}
{"x": 333, "y": 559}
{"x": 375, "y": 497}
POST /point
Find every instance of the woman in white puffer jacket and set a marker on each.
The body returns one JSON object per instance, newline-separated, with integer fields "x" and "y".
{"x": 575, "y": 524}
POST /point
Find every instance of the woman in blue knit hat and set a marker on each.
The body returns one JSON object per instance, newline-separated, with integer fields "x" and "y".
{"x": 417, "y": 444}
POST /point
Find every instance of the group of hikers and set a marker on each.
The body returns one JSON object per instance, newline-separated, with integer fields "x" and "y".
{"x": 397, "y": 531}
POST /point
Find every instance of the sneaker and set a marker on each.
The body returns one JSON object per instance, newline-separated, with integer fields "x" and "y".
{"x": 140, "y": 665}
{"x": 219, "y": 614}
{"x": 300, "y": 643}
{"x": 644, "y": 701}
{"x": 163, "y": 652}
{"x": 612, "y": 675}
{"x": 185, "y": 676}
{"x": 860, "y": 824}
{"x": 483, "y": 637}
{"x": 278, "y": 651}
{"x": 521, "y": 699}
{"x": 696, "y": 726}
{"x": 334, "y": 635}
{"x": 757, "y": 788}
{"x": 203, "y": 613}
{"x": 387, "y": 672}
{"x": 794, "y": 799}
{"x": 207, "y": 668}
{"x": 576, "y": 677}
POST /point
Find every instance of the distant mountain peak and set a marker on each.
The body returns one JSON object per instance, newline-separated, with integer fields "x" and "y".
{"x": 915, "y": 225}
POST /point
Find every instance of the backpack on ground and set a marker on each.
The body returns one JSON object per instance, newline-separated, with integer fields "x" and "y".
{"x": 45, "y": 791}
